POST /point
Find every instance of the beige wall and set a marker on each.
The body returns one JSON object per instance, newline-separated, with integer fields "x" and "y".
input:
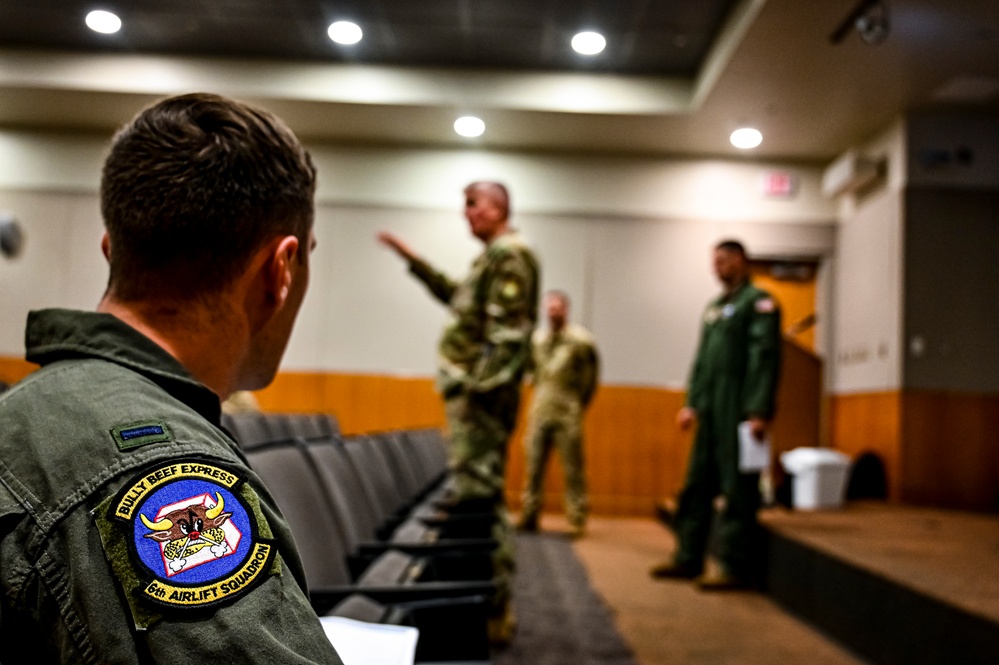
{"x": 628, "y": 239}
{"x": 867, "y": 280}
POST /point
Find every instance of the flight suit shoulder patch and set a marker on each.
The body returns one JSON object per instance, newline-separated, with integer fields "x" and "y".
{"x": 765, "y": 306}
{"x": 185, "y": 535}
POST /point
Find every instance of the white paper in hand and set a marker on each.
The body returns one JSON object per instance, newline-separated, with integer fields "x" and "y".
{"x": 754, "y": 455}
{"x": 361, "y": 643}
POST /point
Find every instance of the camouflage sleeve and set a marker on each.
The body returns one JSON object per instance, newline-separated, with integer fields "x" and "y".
{"x": 763, "y": 358}
{"x": 439, "y": 284}
{"x": 590, "y": 372}
{"x": 511, "y": 297}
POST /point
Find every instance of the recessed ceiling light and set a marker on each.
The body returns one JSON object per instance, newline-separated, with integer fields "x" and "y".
{"x": 588, "y": 43}
{"x": 469, "y": 126}
{"x": 345, "y": 32}
{"x": 102, "y": 21}
{"x": 746, "y": 138}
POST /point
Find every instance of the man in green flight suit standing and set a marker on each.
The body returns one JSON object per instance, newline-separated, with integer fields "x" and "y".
{"x": 482, "y": 356}
{"x": 131, "y": 528}
{"x": 564, "y": 372}
{"x": 734, "y": 380}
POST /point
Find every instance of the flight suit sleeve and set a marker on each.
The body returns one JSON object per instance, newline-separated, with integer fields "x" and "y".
{"x": 271, "y": 619}
{"x": 272, "y": 624}
{"x": 763, "y": 358}
{"x": 696, "y": 396}
{"x": 439, "y": 284}
{"x": 510, "y": 301}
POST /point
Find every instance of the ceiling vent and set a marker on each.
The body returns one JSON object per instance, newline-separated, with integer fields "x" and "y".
{"x": 851, "y": 173}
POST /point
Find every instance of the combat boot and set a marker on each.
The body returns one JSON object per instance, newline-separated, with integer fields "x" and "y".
{"x": 718, "y": 579}
{"x": 528, "y": 523}
{"x": 670, "y": 569}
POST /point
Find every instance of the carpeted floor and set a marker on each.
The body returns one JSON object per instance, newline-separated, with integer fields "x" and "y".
{"x": 667, "y": 622}
{"x": 560, "y": 618}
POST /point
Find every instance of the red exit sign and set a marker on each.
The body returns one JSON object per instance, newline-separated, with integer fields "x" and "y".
{"x": 779, "y": 184}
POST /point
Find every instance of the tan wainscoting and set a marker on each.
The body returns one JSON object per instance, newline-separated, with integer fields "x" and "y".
{"x": 799, "y": 402}
{"x": 634, "y": 454}
{"x": 13, "y": 370}
{"x": 950, "y": 450}
{"x": 361, "y": 402}
{"x": 869, "y": 422}
{"x": 939, "y": 448}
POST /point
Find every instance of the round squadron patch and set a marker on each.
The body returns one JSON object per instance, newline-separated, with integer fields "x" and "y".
{"x": 192, "y": 540}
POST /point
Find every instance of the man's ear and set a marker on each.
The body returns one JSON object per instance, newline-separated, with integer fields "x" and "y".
{"x": 106, "y": 246}
{"x": 281, "y": 265}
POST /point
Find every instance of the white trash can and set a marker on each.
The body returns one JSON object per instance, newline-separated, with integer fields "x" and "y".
{"x": 819, "y": 477}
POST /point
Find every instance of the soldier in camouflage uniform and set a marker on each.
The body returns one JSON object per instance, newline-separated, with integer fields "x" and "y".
{"x": 564, "y": 374}
{"x": 481, "y": 360}
{"x": 734, "y": 379}
{"x": 131, "y": 528}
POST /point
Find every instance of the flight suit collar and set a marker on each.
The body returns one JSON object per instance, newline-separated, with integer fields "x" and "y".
{"x": 63, "y": 334}
{"x": 732, "y": 295}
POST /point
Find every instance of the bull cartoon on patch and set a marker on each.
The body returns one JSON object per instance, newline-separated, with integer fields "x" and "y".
{"x": 192, "y": 532}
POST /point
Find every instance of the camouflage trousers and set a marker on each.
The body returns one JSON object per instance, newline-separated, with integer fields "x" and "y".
{"x": 565, "y": 434}
{"x": 480, "y": 426}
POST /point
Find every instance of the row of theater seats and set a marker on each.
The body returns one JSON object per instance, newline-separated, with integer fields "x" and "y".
{"x": 379, "y": 537}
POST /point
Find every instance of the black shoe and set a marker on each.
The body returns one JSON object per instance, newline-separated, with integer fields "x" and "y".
{"x": 529, "y": 525}
{"x": 670, "y": 569}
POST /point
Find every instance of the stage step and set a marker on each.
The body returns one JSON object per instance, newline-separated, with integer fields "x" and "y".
{"x": 845, "y": 573}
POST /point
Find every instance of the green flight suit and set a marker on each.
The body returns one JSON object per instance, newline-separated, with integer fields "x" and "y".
{"x": 482, "y": 356}
{"x": 112, "y": 427}
{"x": 565, "y": 370}
{"x": 734, "y": 377}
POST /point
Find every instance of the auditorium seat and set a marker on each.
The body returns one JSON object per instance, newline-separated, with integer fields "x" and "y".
{"x": 392, "y": 578}
{"x": 323, "y": 538}
{"x": 459, "y": 553}
{"x": 249, "y": 429}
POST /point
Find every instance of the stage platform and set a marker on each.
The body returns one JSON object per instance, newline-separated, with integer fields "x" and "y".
{"x": 896, "y": 584}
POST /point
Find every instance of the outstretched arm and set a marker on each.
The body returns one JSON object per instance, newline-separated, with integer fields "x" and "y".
{"x": 439, "y": 284}
{"x": 397, "y": 245}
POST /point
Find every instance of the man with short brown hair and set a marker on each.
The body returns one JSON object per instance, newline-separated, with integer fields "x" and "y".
{"x": 131, "y": 528}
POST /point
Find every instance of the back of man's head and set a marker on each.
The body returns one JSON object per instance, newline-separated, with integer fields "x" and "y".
{"x": 192, "y": 187}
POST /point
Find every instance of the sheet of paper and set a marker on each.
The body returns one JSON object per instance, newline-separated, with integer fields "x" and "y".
{"x": 754, "y": 455}
{"x": 361, "y": 643}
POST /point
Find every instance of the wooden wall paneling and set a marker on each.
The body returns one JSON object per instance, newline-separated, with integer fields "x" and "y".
{"x": 337, "y": 390}
{"x": 13, "y": 370}
{"x": 799, "y": 402}
{"x": 870, "y": 422}
{"x": 293, "y": 392}
{"x": 951, "y": 450}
